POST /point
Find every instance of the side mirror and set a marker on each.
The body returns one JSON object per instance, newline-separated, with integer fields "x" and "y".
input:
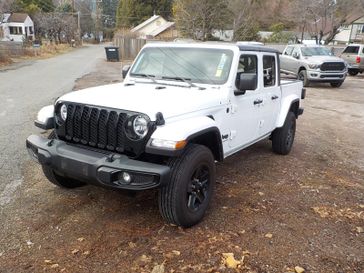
{"x": 246, "y": 81}
{"x": 296, "y": 55}
{"x": 125, "y": 70}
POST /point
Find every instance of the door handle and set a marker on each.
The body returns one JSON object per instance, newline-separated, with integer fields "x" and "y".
{"x": 275, "y": 97}
{"x": 258, "y": 101}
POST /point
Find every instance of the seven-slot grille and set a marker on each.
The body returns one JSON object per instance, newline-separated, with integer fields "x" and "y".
{"x": 333, "y": 66}
{"x": 100, "y": 128}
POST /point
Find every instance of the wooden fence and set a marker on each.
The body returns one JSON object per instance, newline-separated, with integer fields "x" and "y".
{"x": 13, "y": 49}
{"x": 129, "y": 47}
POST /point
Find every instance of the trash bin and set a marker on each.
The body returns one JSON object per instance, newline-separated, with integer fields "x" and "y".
{"x": 112, "y": 53}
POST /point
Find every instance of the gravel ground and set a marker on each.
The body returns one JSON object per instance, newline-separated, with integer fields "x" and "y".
{"x": 276, "y": 212}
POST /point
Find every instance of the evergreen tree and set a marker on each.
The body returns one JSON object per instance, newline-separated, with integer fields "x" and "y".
{"x": 133, "y": 12}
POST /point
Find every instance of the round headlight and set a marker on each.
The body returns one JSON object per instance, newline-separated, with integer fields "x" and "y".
{"x": 140, "y": 126}
{"x": 137, "y": 127}
{"x": 63, "y": 112}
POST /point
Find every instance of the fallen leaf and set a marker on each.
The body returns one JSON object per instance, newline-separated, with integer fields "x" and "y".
{"x": 359, "y": 230}
{"x": 29, "y": 243}
{"x": 176, "y": 252}
{"x": 268, "y": 235}
{"x": 159, "y": 268}
{"x": 132, "y": 245}
{"x": 299, "y": 269}
{"x": 54, "y": 265}
{"x": 86, "y": 253}
{"x": 229, "y": 260}
{"x": 47, "y": 261}
{"x": 261, "y": 193}
{"x": 81, "y": 239}
{"x": 75, "y": 251}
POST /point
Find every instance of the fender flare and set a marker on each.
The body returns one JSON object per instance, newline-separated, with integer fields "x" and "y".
{"x": 187, "y": 129}
{"x": 45, "y": 118}
{"x": 285, "y": 107}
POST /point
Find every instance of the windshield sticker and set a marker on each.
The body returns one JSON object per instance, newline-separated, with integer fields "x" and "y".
{"x": 221, "y": 65}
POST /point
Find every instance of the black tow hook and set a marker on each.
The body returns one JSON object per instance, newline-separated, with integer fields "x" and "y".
{"x": 50, "y": 143}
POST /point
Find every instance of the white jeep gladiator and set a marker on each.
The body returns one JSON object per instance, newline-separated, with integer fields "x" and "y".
{"x": 181, "y": 108}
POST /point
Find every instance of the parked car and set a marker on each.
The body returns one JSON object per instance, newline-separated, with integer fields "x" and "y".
{"x": 313, "y": 63}
{"x": 181, "y": 108}
{"x": 354, "y": 55}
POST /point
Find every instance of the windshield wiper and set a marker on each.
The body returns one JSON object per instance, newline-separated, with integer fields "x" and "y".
{"x": 186, "y": 80}
{"x": 149, "y": 76}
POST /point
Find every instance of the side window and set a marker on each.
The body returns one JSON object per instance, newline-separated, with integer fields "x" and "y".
{"x": 269, "y": 70}
{"x": 288, "y": 50}
{"x": 248, "y": 64}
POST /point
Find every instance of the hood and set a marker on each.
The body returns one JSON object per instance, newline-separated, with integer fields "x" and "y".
{"x": 322, "y": 59}
{"x": 148, "y": 98}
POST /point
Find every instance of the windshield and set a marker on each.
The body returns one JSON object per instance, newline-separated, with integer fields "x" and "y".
{"x": 316, "y": 51}
{"x": 198, "y": 65}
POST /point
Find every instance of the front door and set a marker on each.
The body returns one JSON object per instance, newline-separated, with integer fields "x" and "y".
{"x": 245, "y": 108}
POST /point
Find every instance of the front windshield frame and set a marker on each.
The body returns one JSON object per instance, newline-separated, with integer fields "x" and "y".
{"x": 315, "y": 51}
{"x": 224, "y": 56}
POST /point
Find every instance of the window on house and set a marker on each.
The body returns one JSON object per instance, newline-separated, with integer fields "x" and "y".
{"x": 31, "y": 30}
{"x": 16, "y": 30}
{"x": 269, "y": 70}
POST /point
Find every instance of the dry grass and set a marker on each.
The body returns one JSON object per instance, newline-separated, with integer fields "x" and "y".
{"x": 4, "y": 58}
{"x": 45, "y": 51}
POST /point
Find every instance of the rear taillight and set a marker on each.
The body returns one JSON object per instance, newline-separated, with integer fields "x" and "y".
{"x": 358, "y": 60}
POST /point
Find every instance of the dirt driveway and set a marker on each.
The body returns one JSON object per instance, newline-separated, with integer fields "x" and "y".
{"x": 276, "y": 212}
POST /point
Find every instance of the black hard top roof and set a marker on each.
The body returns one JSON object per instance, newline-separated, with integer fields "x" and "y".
{"x": 257, "y": 48}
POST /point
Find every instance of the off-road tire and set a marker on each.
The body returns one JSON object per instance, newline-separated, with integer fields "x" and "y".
{"x": 336, "y": 84}
{"x": 353, "y": 72}
{"x": 302, "y": 75}
{"x": 56, "y": 179}
{"x": 283, "y": 138}
{"x": 173, "y": 199}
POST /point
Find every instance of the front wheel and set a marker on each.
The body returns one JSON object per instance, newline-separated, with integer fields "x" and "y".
{"x": 302, "y": 76}
{"x": 353, "y": 72}
{"x": 185, "y": 199}
{"x": 336, "y": 84}
{"x": 282, "y": 138}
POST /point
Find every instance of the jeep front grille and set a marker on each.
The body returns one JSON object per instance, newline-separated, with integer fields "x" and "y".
{"x": 100, "y": 128}
{"x": 333, "y": 66}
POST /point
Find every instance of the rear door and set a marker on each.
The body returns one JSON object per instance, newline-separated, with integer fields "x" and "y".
{"x": 272, "y": 94}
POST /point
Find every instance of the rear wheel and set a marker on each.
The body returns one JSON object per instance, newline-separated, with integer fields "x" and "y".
{"x": 56, "y": 179}
{"x": 282, "y": 138}
{"x": 302, "y": 76}
{"x": 353, "y": 72}
{"x": 185, "y": 199}
{"x": 336, "y": 84}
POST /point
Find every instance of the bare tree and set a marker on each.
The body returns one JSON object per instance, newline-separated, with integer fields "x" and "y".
{"x": 197, "y": 19}
{"x": 57, "y": 27}
{"x": 5, "y": 6}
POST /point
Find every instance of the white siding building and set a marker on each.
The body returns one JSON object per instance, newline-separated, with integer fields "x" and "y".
{"x": 16, "y": 27}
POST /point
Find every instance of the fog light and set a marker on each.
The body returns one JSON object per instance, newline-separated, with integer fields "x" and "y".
{"x": 127, "y": 177}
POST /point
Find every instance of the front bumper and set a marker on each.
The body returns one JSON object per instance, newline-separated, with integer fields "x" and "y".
{"x": 323, "y": 76}
{"x": 95, "y": 167}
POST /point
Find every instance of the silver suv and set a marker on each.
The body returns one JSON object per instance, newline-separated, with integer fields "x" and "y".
{"x": 354, "y": 55}
{"x": 313, "y": 63}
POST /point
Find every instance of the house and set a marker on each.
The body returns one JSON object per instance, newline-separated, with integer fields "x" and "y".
{"x": 351, "y": 32}
{"x": 16, "y": 27}
{"x": 156, "y": 27}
